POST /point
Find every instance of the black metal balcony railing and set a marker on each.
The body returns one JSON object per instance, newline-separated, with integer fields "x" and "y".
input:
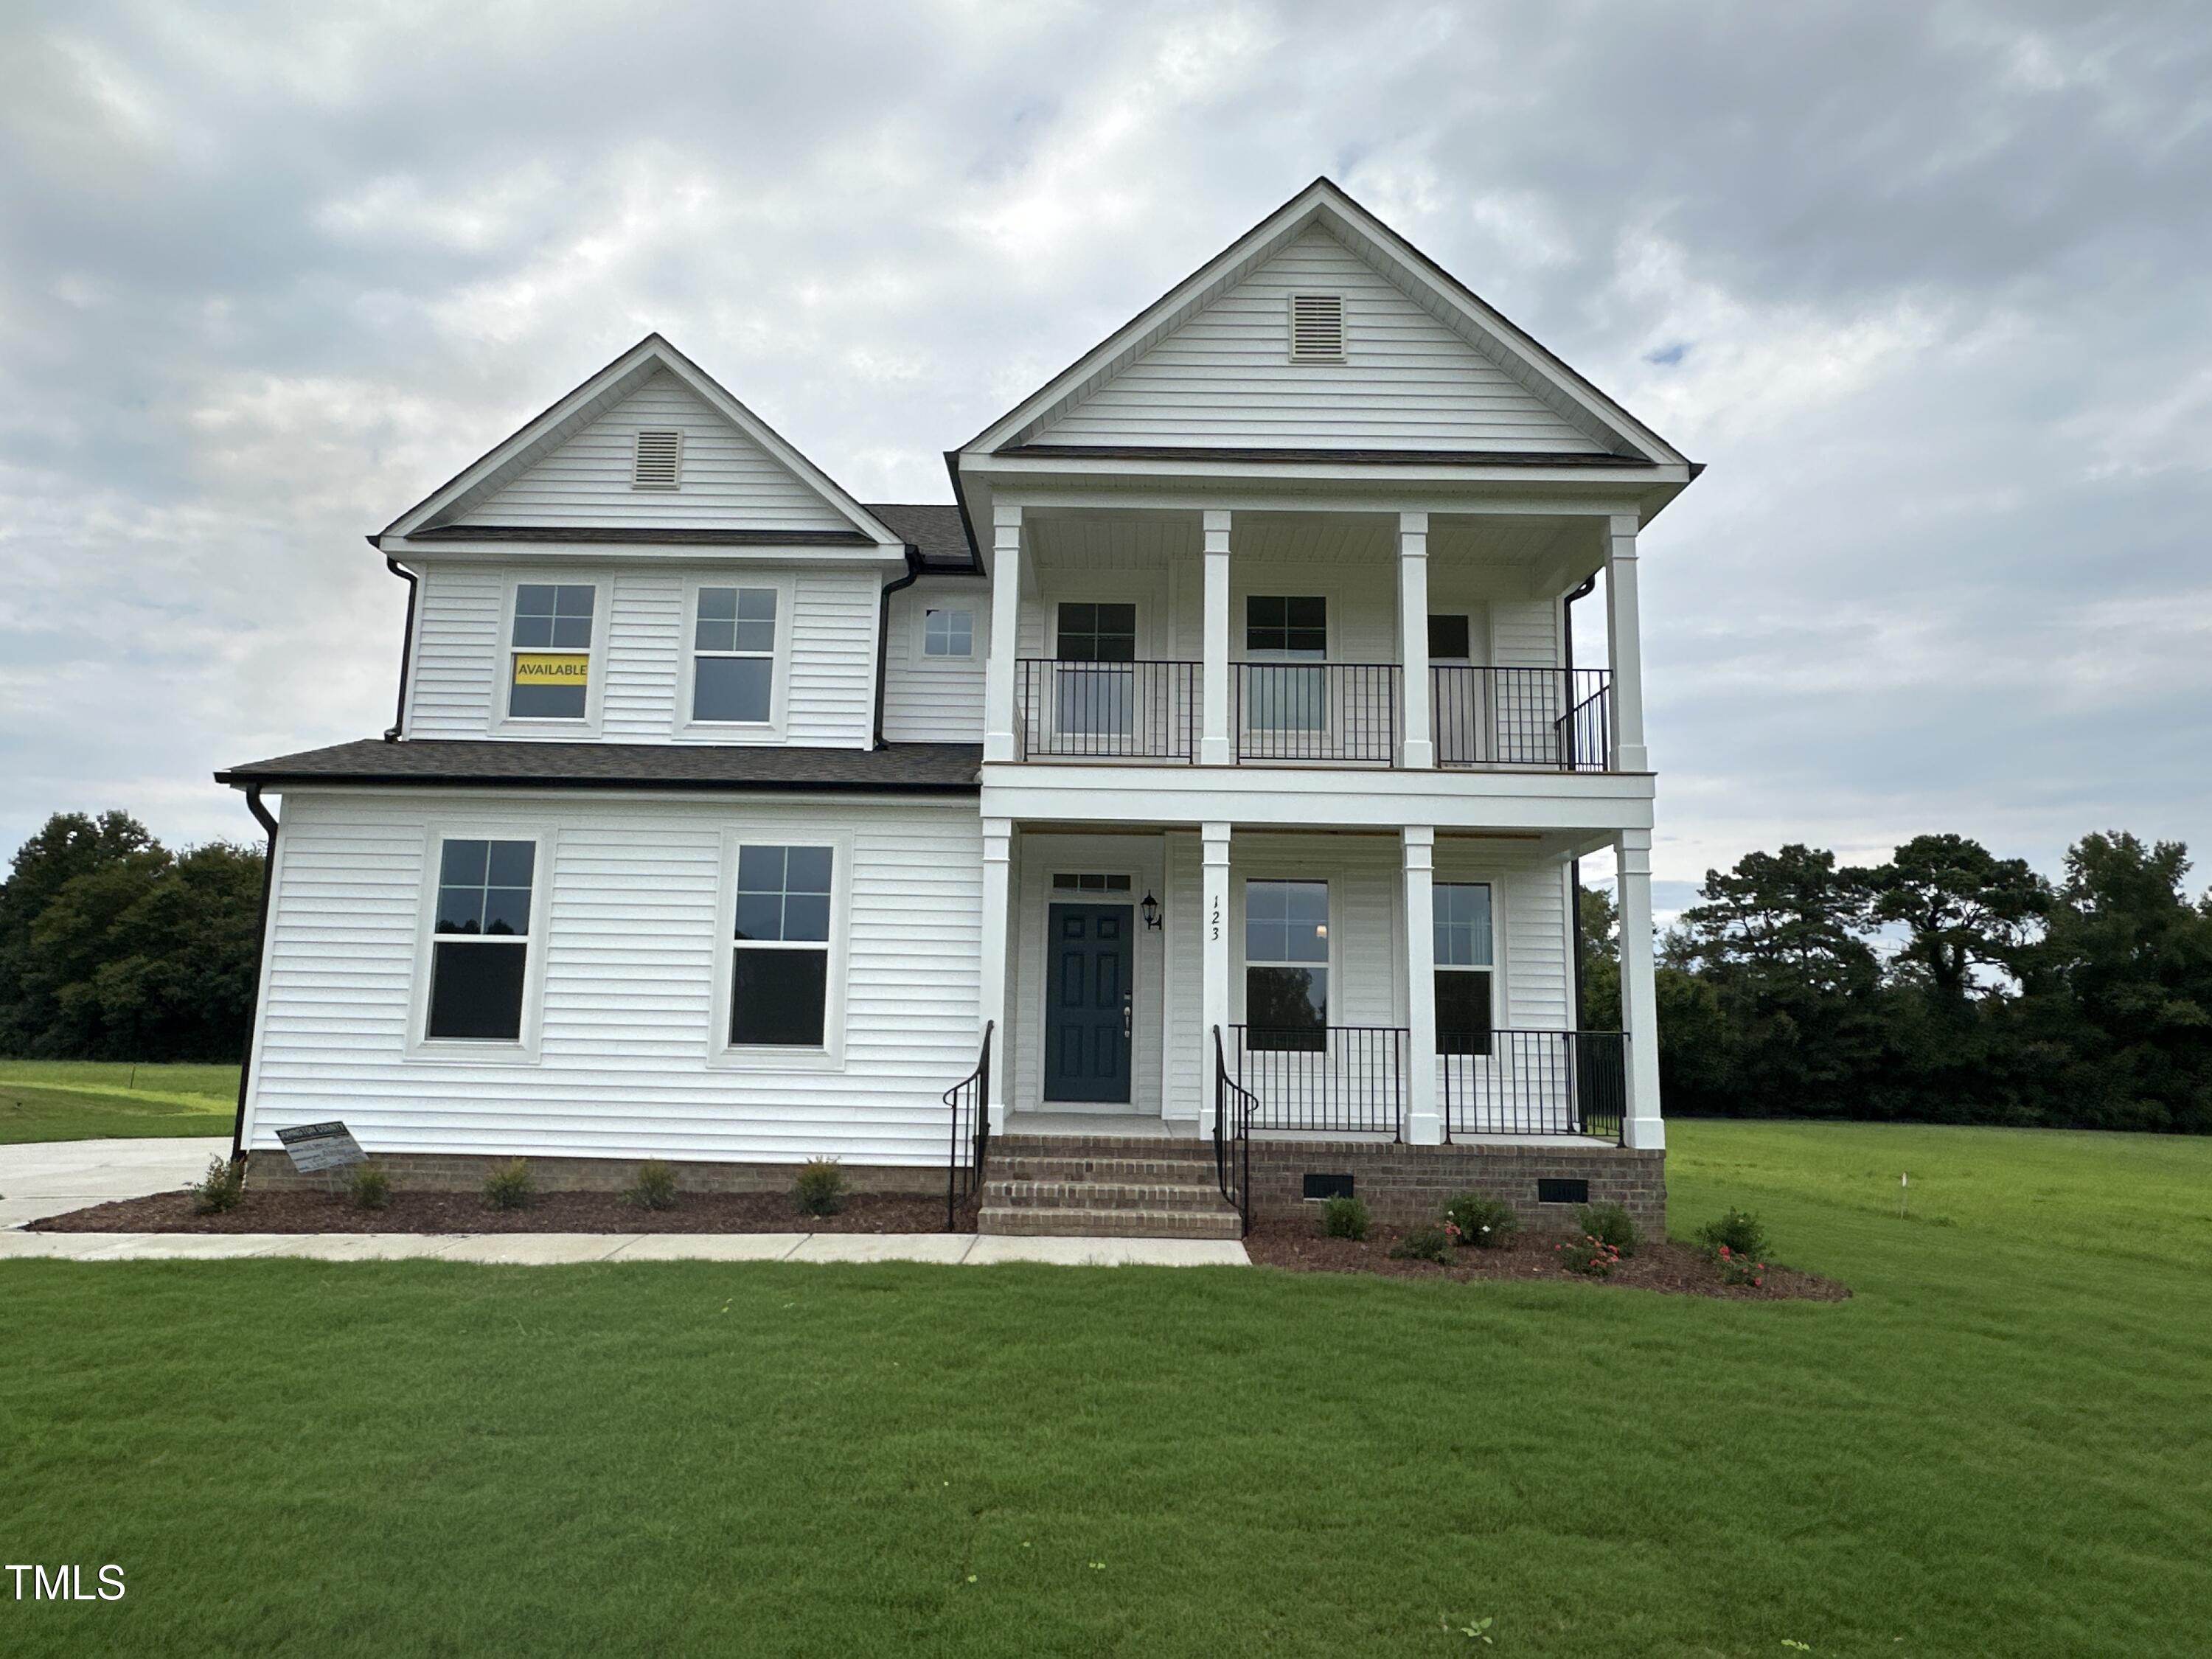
{"x": 1109, "y": 710}
{"x": 1534, "y": 1083}
{"x": 1348, "y": 1079}
{"x": 1328, "y": 713}
{"x": 1553, "y": 717}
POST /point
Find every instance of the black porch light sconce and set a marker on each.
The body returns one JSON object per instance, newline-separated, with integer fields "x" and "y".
{"x": 1150, "y": 908}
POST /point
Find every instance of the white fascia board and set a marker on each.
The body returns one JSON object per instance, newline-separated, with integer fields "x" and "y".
{"x": 1288, "y": 797}
{"x": 1005, "y": 472}
{"x": 508, "y": 550}
{"x": 554, "y": 797}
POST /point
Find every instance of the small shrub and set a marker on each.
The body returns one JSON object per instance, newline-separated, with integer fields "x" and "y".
{"x": 369, "y": 1186}
{"x": 1480, "y": 1223}
{"x": 821, "y": 1189}
{"x": 1422, "y": 1244}
{"x": 221, "y": 1188}
{"x": 508, "y": 1187}
{"x": 1738, "y": 1230}
{"x": 1611, "y": 1224}
{"x": 1588, "y": 1254}
{"x": 655, "y": 1186}
{"x": 1344, "y": 1217}
{"x": 1737, "y": 1268}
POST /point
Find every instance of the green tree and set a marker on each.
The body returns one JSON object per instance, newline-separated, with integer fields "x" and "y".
{"x": 68, "y": 846}
{"x": 1963, "y": 909}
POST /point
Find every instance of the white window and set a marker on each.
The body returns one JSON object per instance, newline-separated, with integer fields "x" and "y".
{"x": 1280, "y": 631}
{"x": 549, "y": 651}
{"x": 657, "y": 463}
{"x": 733, "y": 656}
{"x": 479, "y": 955}
{"x": 1316, "y": 328}
{"x": 780, "y": 975}
{"x": 1464, "y": 965}
{"x": 1286, "y": 965}
{"x": 948, "y": 633}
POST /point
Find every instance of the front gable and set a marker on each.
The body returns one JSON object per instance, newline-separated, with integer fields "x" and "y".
{"x": 577, "y": 472}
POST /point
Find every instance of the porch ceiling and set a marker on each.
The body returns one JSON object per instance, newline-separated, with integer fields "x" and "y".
{"x": 1090, "y": 538}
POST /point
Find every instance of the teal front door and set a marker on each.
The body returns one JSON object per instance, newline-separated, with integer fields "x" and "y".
{"x": 1087, "y": 1003}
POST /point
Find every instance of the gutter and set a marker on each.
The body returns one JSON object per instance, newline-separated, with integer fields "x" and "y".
{"x": 260, "y": 967}
{"x": 1575, "y": 865}
{"x": 884, "y": 631}
{"x": 406, "y": 644}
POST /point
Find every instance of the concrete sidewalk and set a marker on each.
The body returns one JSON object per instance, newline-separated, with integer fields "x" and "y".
{"x": 51, "y": 1177}
{"x": 548, "y": 1249}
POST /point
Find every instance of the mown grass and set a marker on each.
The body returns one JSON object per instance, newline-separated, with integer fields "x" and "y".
{"x": 81, "y": 1100}
{"x": 1998, "y": 1448}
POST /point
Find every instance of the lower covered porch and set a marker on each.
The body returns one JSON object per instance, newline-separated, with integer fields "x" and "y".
{"x": 1402, "y": 986}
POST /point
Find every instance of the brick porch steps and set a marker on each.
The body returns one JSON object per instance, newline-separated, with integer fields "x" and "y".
{"x": 1103, "y": 1186}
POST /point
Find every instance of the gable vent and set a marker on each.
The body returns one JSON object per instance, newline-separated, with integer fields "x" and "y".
{"x": 659, "y": 460}
{"x": 1316, "y": 328}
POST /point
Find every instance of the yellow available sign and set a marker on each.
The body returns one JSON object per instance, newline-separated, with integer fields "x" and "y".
{"x": 552, "y": 667}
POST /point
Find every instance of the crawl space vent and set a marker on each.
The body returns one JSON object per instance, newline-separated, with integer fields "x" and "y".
{"x": 1327, "y": 1186}
{"x": 1563, "y": 1192}
{"x": 659, "y": 456}
{"x": 1316, "y": 328}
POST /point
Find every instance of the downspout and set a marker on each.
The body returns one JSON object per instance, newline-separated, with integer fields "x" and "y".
{"x": 406, "y": 647}
{"x": 260, "y": 966}
{"x": 884, "y": 631}
{"x": 1575, "y": 865}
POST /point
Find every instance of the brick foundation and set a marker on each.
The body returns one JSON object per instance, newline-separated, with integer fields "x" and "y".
{"x": 454, "y": 1172}
{"x": 1405, "y": 1186}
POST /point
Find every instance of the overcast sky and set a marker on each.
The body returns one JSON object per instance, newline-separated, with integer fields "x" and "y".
{"x": 1926, "y": 285}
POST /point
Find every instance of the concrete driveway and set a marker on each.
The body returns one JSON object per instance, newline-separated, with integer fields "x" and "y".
{"x": 47, "y": 1178}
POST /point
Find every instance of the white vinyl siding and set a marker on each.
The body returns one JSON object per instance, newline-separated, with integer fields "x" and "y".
{"x": 828, "y": 642}
{"x": 726, "y": 480}
{"x": 935, "y": 699}
{"x": 632, "y": 905}
{"x": 1407, "y": 381}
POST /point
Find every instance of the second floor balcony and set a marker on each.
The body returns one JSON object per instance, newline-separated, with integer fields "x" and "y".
{"x": 1290, "y": 712}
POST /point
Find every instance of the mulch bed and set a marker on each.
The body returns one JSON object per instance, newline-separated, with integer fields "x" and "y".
{"x": 1665, "y": 1265}
{"x": 547, "y": 1212}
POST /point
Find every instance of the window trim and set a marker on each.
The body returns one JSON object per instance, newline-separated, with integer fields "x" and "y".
{"x": 504, "y": 725}
{"x": 722, "y": 1053}
{"x": 1239, "y": 912}
{"x": 921, "y": 635}
{"x": 526, "y": 1049}
{"x": 1079, "y": 596}
{"x": 772, "y": 729}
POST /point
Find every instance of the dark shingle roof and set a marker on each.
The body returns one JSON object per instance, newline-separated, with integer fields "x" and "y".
{"x": 935, "y": 531}
{"x": 902, "y": 769}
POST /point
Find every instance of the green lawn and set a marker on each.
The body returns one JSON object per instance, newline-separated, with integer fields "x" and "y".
{"x": 1999, "y": 1447}
{"x": 80, "y": 1099}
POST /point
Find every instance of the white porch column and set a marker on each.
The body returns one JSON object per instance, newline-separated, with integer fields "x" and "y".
{"x": 1424, "y": 1126}
{"x": 1213, "y": 748}
{"x": 1414, "y": 636}
{"x": 998, "y": 889}
{"x": 999, "y": 669}
{"x": 1624, "y": 637}
{"x": 1213, "y": 958}
{"x": 1639, "y": 1002}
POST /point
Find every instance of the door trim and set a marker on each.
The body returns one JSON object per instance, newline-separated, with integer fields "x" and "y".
{"x": 1045, "y": 1101}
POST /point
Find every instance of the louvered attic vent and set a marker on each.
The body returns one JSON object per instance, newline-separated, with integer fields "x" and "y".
{"x": 1316, "y": 328}
{"x": 659, "y": 461}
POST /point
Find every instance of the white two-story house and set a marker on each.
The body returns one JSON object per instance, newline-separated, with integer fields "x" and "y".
{"x": 1210, "y": 771}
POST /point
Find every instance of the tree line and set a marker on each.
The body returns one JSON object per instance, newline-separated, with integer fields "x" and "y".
{"x": 1947, "y": 986}
{"x": 113, "y": 947}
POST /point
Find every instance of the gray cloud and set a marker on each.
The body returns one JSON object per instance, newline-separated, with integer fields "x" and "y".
{"x": 1921, "y": 282}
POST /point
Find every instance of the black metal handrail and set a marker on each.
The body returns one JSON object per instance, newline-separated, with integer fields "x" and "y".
{"x": 971, "y": 1098}
{"x": 1109, "y": 710}
{"x": 1233, "y": 1105}
{"x": 1316, "y": 711}
{"x": 1555, "y": 717}
{"x": 1534, "y": 1083}
{"x": 1347, "y": 1078}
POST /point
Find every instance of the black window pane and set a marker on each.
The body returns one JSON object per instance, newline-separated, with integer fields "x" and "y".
{"x": 716, "y": 633}
{"x": 776, "y": 998}
{"x": 756, "y": 604}
{"x": 732, "y": 689}
{"x": 574, "y": 600}
{"x": 1285, "y": 1008}
{"x": 533, "y": 631}
{"x": 718, "y": 604}
{"x": 760, "y": 870}
{"x": 460, "y": 910}
{"x": 546, "y": 702}
{"x": 476, "y": 990}
{"x": 507, "y": 910}
{"x": 572, "y": 633}
{"x": 1463, "y": 1013}
{"x": 462, "y": 863}
{"x": 760, "y": 915}
{"x": 806, "y": 870}
{"x": 1447, "y": 638}
{"x": 753, "y": 636}
{"x": 1309, "y": 613}
{"x": 510, "y": 862}
{"x": 806, "y": 916}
